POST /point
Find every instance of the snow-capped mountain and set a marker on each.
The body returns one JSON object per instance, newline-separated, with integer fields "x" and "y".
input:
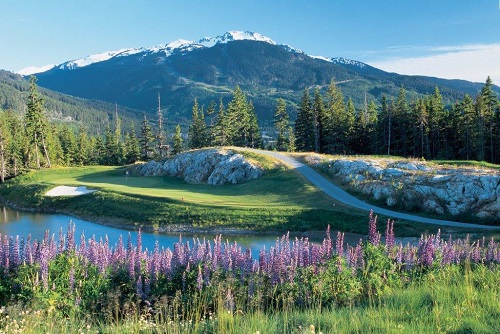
{"x": 177, "y": 46}
{"x": 207, "y": 69}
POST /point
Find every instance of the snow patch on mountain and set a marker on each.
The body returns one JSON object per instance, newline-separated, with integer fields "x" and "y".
{"x": 33, "y": 69}
{"x": 70, "y": 65}
{"x": 340, "y": 60}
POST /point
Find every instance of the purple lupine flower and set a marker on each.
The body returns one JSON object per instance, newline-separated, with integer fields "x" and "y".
{"x": 14, "y": 252}
{"x": 138, "y": 255}
{"x": 44, "y": 265}
{"x": 129, "y": 245}
{"x": 340, "y": 244}
{"x": 82, "y": 249}
{"x": 71, "y": 283}
{"x": 389, "y": 236}
{"x": 400, "y": 254}
{"x": 476, "y": 254}
{"x": 410, "y": 257}
{"x": 6, "y": 254}
{"x": 28, "y": 251}
{"x": 373, "y": 234}
{"x": 131, "y": 266}
{"x": 339, "y": 265}
{"x": 52, "y": 247}
{"x": 70, "y": 237}
{"x": 360, "y": 256}
{"x": 199, "y": 280}
{"x": 490, "y": 251}
{"x": 60, "y": 245}
{"x": 155, "y": 262}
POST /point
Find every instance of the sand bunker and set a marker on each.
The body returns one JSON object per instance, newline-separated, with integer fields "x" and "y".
{"x": 68, "y": 191}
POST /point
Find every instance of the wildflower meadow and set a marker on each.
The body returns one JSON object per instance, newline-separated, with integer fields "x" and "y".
{"x": 205, "y": 286}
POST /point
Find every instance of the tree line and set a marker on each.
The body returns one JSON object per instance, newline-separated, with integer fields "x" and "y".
{"x": 416, "y": 126}
{"x": 410, "y": 127}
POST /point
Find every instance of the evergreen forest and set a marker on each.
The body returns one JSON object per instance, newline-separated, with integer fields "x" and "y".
{"x": 326, "y": 122}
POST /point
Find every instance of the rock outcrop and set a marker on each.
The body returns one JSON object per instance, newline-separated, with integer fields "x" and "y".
{"x": 210, "y": 166}
{"x": 417, "y": 185}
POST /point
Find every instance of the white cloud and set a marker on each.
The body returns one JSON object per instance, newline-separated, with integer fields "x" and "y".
{"x": 472, "y": 62}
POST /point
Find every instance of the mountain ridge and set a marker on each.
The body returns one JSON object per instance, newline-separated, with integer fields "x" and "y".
{"x": 210, "y": 68}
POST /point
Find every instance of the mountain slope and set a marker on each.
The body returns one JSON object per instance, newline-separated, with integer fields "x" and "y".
{"x": 210, "y": 68}
{"x": 93, "y": 115}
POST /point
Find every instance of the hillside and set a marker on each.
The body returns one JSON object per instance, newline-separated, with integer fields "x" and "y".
{"x": 94, "y": 115}
{"x": 211, "y": 68}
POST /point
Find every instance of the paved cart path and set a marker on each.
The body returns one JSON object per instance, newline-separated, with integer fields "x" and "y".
{"x": 340, "y": 195}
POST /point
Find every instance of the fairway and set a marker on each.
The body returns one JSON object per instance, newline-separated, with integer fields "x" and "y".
{"x": 278, "y": 188}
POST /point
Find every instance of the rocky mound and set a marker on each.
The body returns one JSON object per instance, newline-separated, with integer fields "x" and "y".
{"x": 416, "y": 185}
{"x": 211, "y": 166}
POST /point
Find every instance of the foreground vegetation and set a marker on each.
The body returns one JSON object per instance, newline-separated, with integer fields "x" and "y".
{"x": 65, "y": 285}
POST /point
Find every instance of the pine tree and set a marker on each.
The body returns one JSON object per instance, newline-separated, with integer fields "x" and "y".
{"x": 36, "y": 126}
{"x": 197, "y": 128}
{"x": 304, "y": 125}
{"x": 113, "y": 148}
{"x": 132, "y": 151}
{"x": 336, "y": 122}
{"x": 281, "y": 124}
{"x": 17, "y": 143}
{"x": 161, "y": 145}
{"x": 178, "y": 143}
{"x": 385, "y": 126}
{"x": 211, "y": 121}
{"x": 254, "y": 138}
{"x": 422, "y": 124}
{"x": 364, "y": 129}
{"x": 242, "y": 124}
{"x": 319, "y": 120}
{"x": 238, "y": 119}
{"x": 489, "y": 103}
{"x": 437, "y": 124}
{"x": 402, "y": 125}
{"x": 147, "y": 140}
{"x": 68, "y": 145}
{"x": 83, "y": 152}
{"x": 5, "y": 139}
{"x": 221, "y": 127}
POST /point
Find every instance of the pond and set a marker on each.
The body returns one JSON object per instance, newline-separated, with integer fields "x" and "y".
{"x": 13, "y": 222}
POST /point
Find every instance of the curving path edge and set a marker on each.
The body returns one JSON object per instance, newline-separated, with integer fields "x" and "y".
{"x": 340, "y": 195}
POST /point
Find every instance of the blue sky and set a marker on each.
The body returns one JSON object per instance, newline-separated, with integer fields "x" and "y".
{"x": 445, "y": 38}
